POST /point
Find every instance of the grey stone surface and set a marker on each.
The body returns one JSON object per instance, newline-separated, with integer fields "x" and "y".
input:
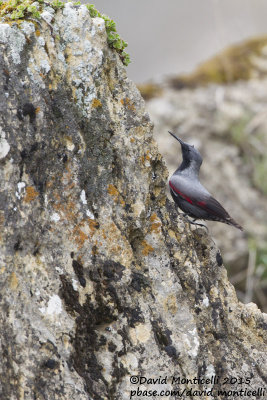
{"x": 100, "y": 279}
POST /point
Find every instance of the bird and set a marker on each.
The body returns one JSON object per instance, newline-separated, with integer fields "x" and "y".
{"x": 190, "y": 195}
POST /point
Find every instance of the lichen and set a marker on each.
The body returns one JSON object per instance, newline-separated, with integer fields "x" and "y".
{"x": 31, "y": 194}
{"x": 17, "y": 10}
{"x": 96, "y": 103}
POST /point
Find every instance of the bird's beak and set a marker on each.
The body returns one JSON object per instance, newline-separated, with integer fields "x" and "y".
{"x": 179, "y": 140}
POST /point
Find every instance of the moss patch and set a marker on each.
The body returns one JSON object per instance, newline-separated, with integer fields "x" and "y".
{"x": 14, "y": 10}
{"x": 238, "y": 62}
{"x": 150, "y": 90}
{"x": 114, "y": 39}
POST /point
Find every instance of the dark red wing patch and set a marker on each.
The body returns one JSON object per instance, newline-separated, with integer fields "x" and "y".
{"x": 214, "y": 210}
{"x": 209, "y": 204}
{"x": 201, "y": 203}
{"x": 180, "y": 193}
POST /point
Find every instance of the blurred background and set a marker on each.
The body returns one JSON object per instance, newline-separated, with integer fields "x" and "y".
{"x": 201, "y": 66}
{"x": 173, "y": 36}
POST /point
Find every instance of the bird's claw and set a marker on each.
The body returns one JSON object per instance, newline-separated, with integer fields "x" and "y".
{"x": 194, "y": 223}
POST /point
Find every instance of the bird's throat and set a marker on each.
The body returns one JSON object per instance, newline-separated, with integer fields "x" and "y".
{"x": 189, "y": 167}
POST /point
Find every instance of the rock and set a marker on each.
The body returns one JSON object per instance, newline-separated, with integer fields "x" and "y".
{"x": 101, "y": 280}
{"x": 228, "y": 125}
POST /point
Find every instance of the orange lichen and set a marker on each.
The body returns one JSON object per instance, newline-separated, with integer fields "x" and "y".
{"x": 96, "y": 103}
{"x": 113, "y": 191}
{"x": 79, "y": 236}
{"x": 147, "y": 249}
{"x": 38, "y": 109}
{"x": 93, "y": 225}
{"x": 156, "y": 224}
{"x": 128, "y": 103}
{"x": 70, "y": 186}
{"x": 37, "y": 32}
{"x": 145, "y": 157}
{"x": 67, "y": 209}
{"x": 31, "y": 194}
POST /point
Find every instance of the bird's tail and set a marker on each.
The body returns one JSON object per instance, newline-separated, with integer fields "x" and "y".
{"x": 231, "y": 221}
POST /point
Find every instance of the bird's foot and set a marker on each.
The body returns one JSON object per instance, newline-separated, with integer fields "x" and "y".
{"x": 193, "y": 222}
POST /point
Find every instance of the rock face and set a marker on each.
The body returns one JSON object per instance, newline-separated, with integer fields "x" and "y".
{"x": 228, "y": 124}
{"x": 100, "y": 279}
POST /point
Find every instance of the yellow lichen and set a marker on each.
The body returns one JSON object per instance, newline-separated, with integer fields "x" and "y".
{"x": 96, "y": 103}
{"x": 112, "y": 190}
{"x": 31, "y": 194}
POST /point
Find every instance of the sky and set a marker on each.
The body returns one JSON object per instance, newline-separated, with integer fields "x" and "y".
{"x": 174, "y": 36}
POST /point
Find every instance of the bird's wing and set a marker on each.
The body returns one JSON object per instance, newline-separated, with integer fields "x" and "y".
{"x": 203, "y": 200}
{"x": 201, "y": 203}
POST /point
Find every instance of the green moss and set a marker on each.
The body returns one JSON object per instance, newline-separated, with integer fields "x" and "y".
{"x": 57, "y": 4}
{"x": 23, "y": 9}
{"x": 114, "y": 39}
{"x": 18, "y": 9}
{"x": 235, "y": 63}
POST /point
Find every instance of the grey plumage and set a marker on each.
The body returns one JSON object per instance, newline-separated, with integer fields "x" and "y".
{"x": 190, "y": 195}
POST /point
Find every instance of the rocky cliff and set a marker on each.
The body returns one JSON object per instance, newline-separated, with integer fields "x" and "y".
{"x": 101, "y": 280}
{"x": 228, "y": 124}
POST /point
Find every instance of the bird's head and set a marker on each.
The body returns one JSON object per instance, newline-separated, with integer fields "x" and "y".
{"x": 190, "y": 154}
